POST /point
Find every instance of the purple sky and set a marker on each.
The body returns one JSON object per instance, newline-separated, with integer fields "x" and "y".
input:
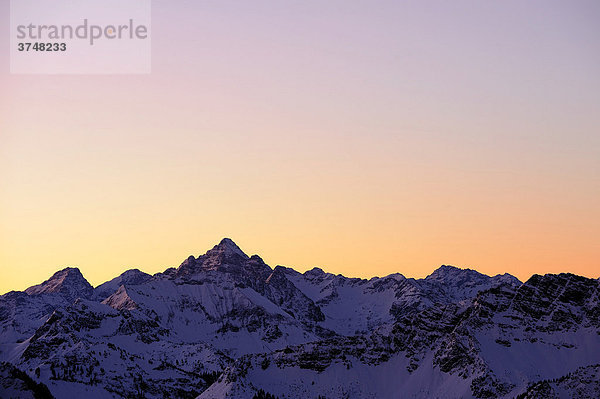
{"x": 401, "y": 135}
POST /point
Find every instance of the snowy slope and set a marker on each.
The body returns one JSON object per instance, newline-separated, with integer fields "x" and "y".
{"x": 129, "y": 277}
{"x": 493, "y": 345}
{"x": 358, "y": 306}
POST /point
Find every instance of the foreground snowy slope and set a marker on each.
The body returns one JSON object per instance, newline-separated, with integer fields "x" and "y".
{"x": 225, "y": 324}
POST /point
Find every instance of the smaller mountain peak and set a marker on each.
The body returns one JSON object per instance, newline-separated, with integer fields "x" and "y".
{"x": 508, "y": 279}
{"x": 315, "y": 271}
{"x": 395, "y": 276}
{"x": 448, "y": 272}
{"x": 453, "y": 275}
{"x": 448, "y": 269}
{"x": 69, "y": 282}
{"x": 132, "y": 277}
{"x": 445, "y": 271}
{"x": 61, "y": 276}
{"x": 135, "y": 274}
{"x": 128, "y": 277}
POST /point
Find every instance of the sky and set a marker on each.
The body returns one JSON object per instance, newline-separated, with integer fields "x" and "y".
{"x": 362, "y": 137}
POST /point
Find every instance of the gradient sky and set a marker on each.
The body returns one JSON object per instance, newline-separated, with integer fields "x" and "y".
{"x": 364, "y": 137}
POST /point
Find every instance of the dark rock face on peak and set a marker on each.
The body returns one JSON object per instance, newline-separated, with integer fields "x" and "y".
{"x": 583, "y": 382}
{"x": 558, "y": 302}
{"x": 68, "y": 282}
{"x": 227, "y": 262}
{"x": 228, "y": 246}
{"x": 225, "y": 256}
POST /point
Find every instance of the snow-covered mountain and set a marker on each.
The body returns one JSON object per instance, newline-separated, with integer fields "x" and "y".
{"x": 225, "y": 324}
{"x": 493, "y": 345}
{"x": 129, "y": 277}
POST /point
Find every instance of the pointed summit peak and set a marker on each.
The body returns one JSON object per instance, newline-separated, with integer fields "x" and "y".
{"x": 227, "y": 247}
{"x": 224, "y": 253}
{"x": 68, "y": 282}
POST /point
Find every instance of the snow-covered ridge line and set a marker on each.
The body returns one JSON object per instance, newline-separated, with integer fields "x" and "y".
{"x": 225, "y": 324}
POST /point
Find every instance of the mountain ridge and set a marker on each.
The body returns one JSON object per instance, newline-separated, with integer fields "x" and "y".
{"x": 225, "y": 324}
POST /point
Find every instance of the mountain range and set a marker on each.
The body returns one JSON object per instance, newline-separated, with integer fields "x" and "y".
{"x": 227, "y": 325}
